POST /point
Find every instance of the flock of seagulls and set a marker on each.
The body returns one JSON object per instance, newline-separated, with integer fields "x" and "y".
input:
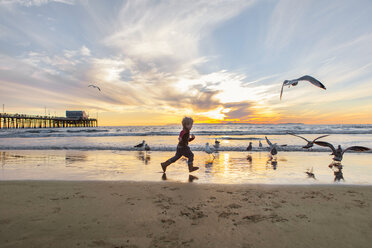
{"x": 273, "y": 148}
{"x": 273, "y": 151}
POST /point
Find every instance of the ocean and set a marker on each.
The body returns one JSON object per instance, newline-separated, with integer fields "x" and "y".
{"x": 108, "y": 153}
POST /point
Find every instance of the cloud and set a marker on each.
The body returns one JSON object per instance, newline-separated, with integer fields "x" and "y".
{"x": 168, "y": 58}
{"x": 30, "y": 3}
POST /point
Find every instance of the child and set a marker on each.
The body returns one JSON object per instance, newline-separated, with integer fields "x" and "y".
{"x": 183, "y": 148}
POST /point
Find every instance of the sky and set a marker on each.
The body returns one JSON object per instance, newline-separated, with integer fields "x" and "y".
{"x": 217, "y": 61}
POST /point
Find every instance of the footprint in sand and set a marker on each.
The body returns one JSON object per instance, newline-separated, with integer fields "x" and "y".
{"x": 226, "y": 214}
{"x": 258, "y": 218}
{"x": 168, "y": 221}
{"x": 233, "y": 205}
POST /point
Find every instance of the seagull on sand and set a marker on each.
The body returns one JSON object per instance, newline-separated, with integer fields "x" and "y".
{"x": 141, "y": 145}
{"x": 309, "y": 143}
{"x": 94, "y": 86}
{"x": 208, "y": 149}
{"x": 294, "y": 82}
{"x": 273, "y": 147}
{"x": 249, "y": 147}
{"x": 147, "y": 148}
{"x": 339, "y": 152}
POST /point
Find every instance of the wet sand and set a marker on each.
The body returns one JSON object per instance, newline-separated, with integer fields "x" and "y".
{"x": 165, "y": 214}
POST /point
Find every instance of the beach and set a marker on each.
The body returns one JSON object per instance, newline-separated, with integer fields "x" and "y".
{"x": 169, "y": 214}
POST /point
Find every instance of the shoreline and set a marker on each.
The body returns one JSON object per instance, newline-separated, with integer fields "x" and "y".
{"x": 331, "y": 184}
{"x": 171, "y": 214}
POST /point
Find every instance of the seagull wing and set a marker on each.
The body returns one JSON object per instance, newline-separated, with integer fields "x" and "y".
{"x": 357, "y": 149}
{"x": 320, "y": 137}
{"x": 281, "y": 92}
{"x": 326, "y": 144}
{"x": 312, "y": 80}
{"x": 98, "y": 88}
{"x": 299, "y": 136}
{"x": 268, "y": 142}
{"x": 91, "y": 85}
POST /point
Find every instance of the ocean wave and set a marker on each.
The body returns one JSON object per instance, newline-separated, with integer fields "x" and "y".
{"x": 220, "y": 134}
{"x": 165, "y": 148}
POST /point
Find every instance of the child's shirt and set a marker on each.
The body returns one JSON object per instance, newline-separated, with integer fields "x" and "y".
{"x": 185, "y": 138}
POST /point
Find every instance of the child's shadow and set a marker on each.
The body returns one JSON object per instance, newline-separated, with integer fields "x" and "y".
{"x": 190, "y": 179}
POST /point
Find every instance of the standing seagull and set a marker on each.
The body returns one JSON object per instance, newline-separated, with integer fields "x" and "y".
{"x": 216, "y": 144}
{"x": 273, "y": 147}
{"x": 339, "y": 153}
{"x": 93, "y": 86}
{"x": 141, "y": 145}
{"x": 208, "y": 149}
{"x": 147, "y": 147}
{"x": 309, "y": 143}
{"x": 249, "y": 147}
{"x": 294, "y": 82}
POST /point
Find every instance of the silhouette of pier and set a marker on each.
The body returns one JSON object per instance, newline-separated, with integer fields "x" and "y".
{"x": 36, "y": 121}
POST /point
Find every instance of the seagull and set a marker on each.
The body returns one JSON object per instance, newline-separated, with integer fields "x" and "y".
{"x": 259, "y": 144}
{"x": 216, "y": 144}
{"x": 273, "y": 147}
{"x": 208, "y": 149}
{"x": 93, "y": 86}
{"x": 294, "y": 82}
{"x": 309, "y": 143}
{"x": 310, "y": 173}
{"x": 141, "y": 144}
{"x": 339, "y": 152}
{"x": 147, "y": 148}
{"x": 249, "y": 147}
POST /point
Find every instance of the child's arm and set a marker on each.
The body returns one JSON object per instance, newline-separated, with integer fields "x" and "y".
{"x": 181, "y": 134}
{"x": 192, "y": 138}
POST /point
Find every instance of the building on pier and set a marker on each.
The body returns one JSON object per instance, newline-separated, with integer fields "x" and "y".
{"x": 72, "y": 119}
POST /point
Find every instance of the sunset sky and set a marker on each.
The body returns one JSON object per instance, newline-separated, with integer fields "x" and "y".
{"x": 217, "y": 61}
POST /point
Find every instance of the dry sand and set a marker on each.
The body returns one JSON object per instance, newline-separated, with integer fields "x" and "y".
{"x": 135, "y": 214}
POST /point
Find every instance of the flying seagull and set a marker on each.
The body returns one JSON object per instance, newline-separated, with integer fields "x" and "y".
{"x": 93, "y": 86}
{"x": 309, "y": 143}
{"x": 294, "y": 82}
{"x": 339, "y": 152}
{"x": 310, "y": 173}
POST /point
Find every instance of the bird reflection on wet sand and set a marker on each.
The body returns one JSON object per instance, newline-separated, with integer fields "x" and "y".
{"x": 144, "y": 156}
{"x": 249, "y": 159}
{"x": 272, "y": 162}
{"x": 337, "y": 171}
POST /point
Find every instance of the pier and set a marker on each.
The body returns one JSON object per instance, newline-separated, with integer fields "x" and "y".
{"x": 36, "y": 121}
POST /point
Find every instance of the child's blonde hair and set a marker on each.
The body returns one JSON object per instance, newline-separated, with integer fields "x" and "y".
{"x": 187, "y": 120}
